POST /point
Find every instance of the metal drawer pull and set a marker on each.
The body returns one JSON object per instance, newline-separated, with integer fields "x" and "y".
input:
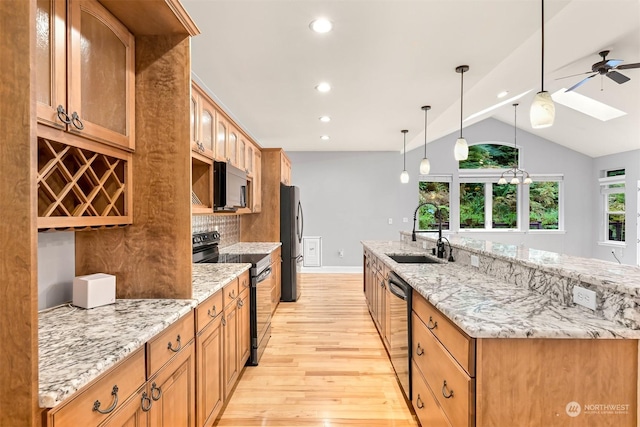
{"x": 155, "y": 388}
{"x": 232, "y": 294}
{"x": 63, "y": 116}
{"x": 145, "y": 398}
{"x": 215, "y": 312}
{"x": 75, "y": 120}
{"x": 444, "y": 389}
{"x": 419, "y": 350}
{"x": 419, "y": 402}
{"x": 114, "y": 393}
{"x": 177, "y": 349}
{"x": 431, "y": 322}
{"x": 240, "y": 303}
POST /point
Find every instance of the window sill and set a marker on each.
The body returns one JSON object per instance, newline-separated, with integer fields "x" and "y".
{"x": 613, "y": 244}
{"x": 547, "y": 231}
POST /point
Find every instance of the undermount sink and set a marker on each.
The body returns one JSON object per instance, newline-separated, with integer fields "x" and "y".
{"x": 413, "y": 259}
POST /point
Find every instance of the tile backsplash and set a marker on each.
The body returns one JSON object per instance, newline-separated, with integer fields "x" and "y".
{"x": 227, "y": 225}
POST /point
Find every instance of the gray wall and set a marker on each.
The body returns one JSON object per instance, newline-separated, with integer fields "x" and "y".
{"x": 349, "y": 196}
{"x": 56, "y": 268}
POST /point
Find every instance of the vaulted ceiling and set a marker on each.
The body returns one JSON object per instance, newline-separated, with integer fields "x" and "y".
{"x": 385, "y": 59}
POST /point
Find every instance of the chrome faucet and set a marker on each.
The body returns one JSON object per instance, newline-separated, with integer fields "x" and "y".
{"x": 440, "y": 248}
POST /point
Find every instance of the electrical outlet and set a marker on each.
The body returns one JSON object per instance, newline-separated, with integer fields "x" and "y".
{"x": 390, "y": 221}
{"x": 475, "y": 261}
{"x": 584, "y": 297}
{"x": 341, "y": 253}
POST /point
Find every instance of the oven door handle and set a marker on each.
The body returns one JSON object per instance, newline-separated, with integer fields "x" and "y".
{"x": 264, "y": 275}
{"x": 397, "y": 290}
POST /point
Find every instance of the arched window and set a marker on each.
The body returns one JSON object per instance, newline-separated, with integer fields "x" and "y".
{"x": 490, "y": 156}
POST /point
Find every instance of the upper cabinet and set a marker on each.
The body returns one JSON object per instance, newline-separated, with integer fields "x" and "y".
{"x": 232, "y": 147}
{"x": 203, "y": 121}
{"x": 85, "y": 71}
{"x": 251, "y": 149}
{"x": 242, "y": 154}
{"x": 221, "y": 140}
{"x": 285, "y": 169}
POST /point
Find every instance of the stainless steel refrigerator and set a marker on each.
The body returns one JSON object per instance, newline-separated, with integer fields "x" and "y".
{"x": 291, "y": 228}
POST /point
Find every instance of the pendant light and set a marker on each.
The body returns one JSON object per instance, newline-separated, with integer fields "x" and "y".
{"x": 425, "y": 164}
{"x": 543, "y": 111}
{"x": 461, "y": 149}
{"x": 404, "y": 176}
{"x": 518, "y": 175}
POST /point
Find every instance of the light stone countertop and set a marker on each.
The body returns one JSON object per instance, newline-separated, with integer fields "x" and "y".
{"x": 251, "y": 248}
{"x": 207, "y": 279}
{"x": 77, "y": 345}
{"x": 485, "y": 307}
{"x": 610, "y": 275}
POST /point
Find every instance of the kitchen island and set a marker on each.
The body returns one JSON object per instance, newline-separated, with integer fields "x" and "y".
{"x": 486, "y": 351}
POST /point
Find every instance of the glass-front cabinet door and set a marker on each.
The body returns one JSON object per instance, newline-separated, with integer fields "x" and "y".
{"x": 250, "y": 160}
{"x": 221, "y": 141}
{"x": 242, "y": 154}
{"x": 232, "y": 149}
{"x": 208, "y": 135}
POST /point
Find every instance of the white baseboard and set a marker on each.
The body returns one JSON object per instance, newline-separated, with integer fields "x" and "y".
{"x": 332, "y": 269}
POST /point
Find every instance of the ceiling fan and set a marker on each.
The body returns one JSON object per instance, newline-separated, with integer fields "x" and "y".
{"x": 606, "y": 67}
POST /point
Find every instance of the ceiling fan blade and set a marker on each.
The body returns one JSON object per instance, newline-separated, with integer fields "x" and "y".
{"x": 617, "y": 77}
{"x": 574, "y": 75}
{"x": 627, "y": 66}
{"x": 580, "y": 83}
{"x": 613, "y": 62}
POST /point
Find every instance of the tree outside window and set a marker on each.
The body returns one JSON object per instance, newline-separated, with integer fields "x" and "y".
{"x": 614, "y": 204}
{"x": 505, "y": 206}
{"x": 472, "y": 213}
{"x": 544, "y": 202}
{"x": 436, "y": 193}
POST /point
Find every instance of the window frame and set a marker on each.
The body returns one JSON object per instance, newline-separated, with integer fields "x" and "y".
{"x": 605, "y": 191}
{"x": 437, "y": 178}
{"x": 561, "y": 195}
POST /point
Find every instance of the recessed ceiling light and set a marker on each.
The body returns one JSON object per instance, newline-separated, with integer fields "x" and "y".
{"x": 586, "y": 105}
{"x": 324, "y": 137}
{"x": 323, "y": 87}
{"x": 503, "y": 94}
{"x": 321, "y": 25}
{"x": 325, "y": 119}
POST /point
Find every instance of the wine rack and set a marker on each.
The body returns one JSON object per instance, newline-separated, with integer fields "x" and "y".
{"x": 80, "y": 188}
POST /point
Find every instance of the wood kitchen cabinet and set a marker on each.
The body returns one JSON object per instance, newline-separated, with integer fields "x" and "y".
{"x": 203, "y": 122}
{"x": 230, "y": 329}
{"x": 276, "y": 281}
{"x": 242, "y": 154}
{"x": 232, "y": 146}
{"x": 244, "y": 319}
{"x": 85, "y": 72}
{"x": 134, "y": 412}
{"x": 376, "y": 289}
{"x": 285, "y": 169}
{"x": 222, "y": 132}
{"x": 256, "y": 187}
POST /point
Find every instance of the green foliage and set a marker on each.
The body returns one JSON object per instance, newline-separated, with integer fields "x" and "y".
{"x": 543, "y": 204}
{"x": 490, "y": 156}
{"x": 505, "y": 205}
{"x": 436, "y": 193}
{"x": 472, "y": 205}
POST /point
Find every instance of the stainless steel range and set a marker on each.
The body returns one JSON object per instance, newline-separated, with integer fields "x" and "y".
{"x": 205, "y": 250}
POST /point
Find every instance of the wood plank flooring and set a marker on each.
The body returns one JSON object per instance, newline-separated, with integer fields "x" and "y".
{"x": 325, "y": 365}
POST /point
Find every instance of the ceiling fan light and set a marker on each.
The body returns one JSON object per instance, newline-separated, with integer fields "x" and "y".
{"x": 502, "y": 181}
{"x": 543, "y": 111}
{"x": 425, "y": 166}
{"x": 461, "y": 149}
{"x": 404, "y": 177}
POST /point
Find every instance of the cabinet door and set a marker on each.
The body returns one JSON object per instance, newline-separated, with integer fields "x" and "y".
{"x": 51, "y": 51}
{"x": 230, "y": 328}
{"x": 250, "y": 159}
{"x": 135, "y": 413}
{"x": 195, "y": 122}
{"x": 232, "y": 147}
{"x": 257, "y": 181}
{"x": 285, "y": 170}
{"x": 244, "y": 335}
{"x": 242, "y": 155}
{"x": 173, "y": 392}
{"x": 221, "y": 140}
{"x": 100, "y": 75}
{"x": 207, "y": 129}
{"x": 210, "y": 368}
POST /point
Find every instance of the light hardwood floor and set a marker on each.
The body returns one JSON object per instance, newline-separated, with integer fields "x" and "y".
{"x": 324, "y": 366}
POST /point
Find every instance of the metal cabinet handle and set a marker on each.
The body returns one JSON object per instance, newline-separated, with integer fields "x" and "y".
{"x": 145, "y": 398}
{"x": 444, "y": 390}
{"x": 232, "y": 294}
{"x": 154, "y": 389}
{"x": 200, "y": 146}
{"x": 419, "y": 402}
{"x": 240, "y": 303}
{"x": 431, "y": 322}
{"x": 177, "y": 349}
{"x": 62, "y": 115}
{"x": 75, "y": 120}
{"x": 114, "y": 393}
{"x": 215, "y": 312}
{"x": 419, "y": 350}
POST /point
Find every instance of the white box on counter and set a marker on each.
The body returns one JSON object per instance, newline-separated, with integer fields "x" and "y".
{"x": 94, "y": 290}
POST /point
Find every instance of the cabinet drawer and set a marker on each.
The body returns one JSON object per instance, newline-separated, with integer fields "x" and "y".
{"x": 111, "y": 389}
{"x": 208, "y": 310}
{"x": 230, "y": 293}
{"x": 453, "y": 388}
{"x": 459, "y": 344}
{"x": 244, "y": 282}
{"x": 427, "y": 409}
{"x": 167, "y": 343}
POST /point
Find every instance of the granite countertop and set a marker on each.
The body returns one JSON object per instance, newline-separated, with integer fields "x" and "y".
{"x": 251, "y": 248}
{"x": 617, "y": 277}
{"x": 485, "y": 307}
{"x": 207, "y": 279}
{"x": 77, "y": 345}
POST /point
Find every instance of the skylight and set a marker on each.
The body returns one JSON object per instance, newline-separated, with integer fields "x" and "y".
{"x": 586, "y": 105}
{"x": 498, "y": 105}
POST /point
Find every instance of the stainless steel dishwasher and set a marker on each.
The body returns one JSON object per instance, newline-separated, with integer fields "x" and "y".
{"x": 400, "y": 332}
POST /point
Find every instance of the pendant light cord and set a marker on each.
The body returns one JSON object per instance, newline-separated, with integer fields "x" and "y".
{"x": 461, "y": 98}
{"x": 542, "y": 61}
{"x": 515, "y": 135}
{"x": 404, "y": 151}
{"x": 425, "y": 132}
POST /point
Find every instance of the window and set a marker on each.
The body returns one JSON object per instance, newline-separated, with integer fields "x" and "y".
{"x": 490, "y": 156}
{"x": 437, "y": 193}
{"x": 472, "y": 209}
{"x": 544, "y": 205}
{"x": 613, "y": 190}
{"x": 504, "y": 206}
